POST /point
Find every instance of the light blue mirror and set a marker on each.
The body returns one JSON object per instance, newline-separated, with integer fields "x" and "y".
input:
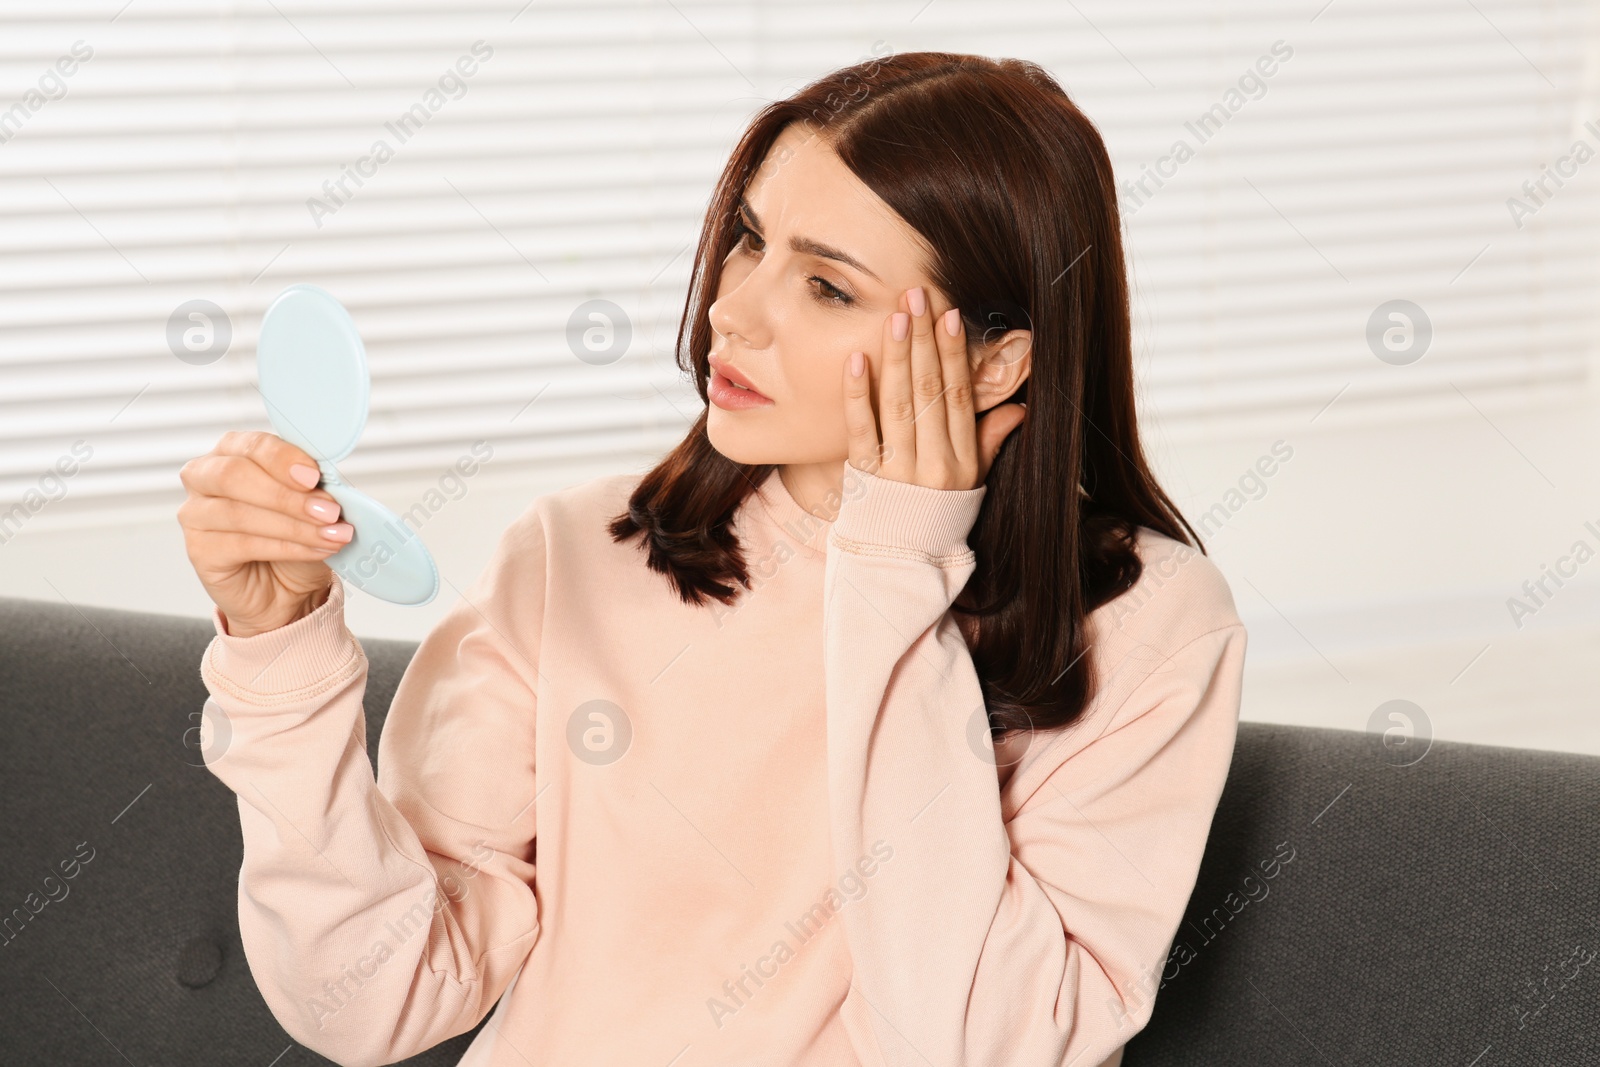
{"x": 312, "y": 368}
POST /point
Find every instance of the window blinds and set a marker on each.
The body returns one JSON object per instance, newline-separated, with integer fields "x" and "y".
{"x": 506, "y": 196}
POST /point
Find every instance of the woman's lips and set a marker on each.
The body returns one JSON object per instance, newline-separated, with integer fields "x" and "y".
{"x": 731, "y": 397}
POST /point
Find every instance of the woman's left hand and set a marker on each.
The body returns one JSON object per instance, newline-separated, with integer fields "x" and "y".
{"x": 931, "y": 434}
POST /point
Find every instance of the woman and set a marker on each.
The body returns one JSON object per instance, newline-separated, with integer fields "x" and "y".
{"x": 844, "y": 735}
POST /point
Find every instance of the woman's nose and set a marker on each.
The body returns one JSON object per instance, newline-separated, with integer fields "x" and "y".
{"x": 736, "y": 312}
{"x": 729, "y": 320}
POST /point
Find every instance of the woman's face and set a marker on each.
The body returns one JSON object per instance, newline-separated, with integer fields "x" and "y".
{"x": 824, "y": 263}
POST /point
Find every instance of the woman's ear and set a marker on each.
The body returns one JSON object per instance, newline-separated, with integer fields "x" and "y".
{"x": 1000, "y": 367}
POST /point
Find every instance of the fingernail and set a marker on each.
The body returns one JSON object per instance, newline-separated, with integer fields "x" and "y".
{"x": 899, "y": 325}
{"x": 858, "y": 363}
{"x": 918, "y": 301}
{"x": 339, "y": 531}
{"x": 326, "y": 510}
{"x": 306, "y": 476}
{"x": 952, "y": 321}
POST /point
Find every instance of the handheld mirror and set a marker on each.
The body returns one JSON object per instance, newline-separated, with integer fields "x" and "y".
{"x": 313, "y": 372}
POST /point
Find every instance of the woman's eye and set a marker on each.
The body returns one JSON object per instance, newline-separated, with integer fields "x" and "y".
{"x": 745, "y": 237}
{"x": 829, "y": 292}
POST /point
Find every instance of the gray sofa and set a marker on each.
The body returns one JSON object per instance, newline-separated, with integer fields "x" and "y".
{"x": 1349, "y": 910}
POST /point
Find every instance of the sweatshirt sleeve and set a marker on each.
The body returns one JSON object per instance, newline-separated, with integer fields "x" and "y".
{"x": 383, "y": 915}
{"x": 1025, "y": 931}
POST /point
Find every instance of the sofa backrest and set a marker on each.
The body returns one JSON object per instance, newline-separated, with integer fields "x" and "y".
{"x": 1411, "y": 905}
{"x": 1348, "y": 910}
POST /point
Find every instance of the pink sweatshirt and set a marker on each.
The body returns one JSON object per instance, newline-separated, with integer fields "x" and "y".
{"x": 765, "y": 834}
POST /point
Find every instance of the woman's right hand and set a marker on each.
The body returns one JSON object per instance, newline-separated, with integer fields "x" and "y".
{"x": 256, "y": 535}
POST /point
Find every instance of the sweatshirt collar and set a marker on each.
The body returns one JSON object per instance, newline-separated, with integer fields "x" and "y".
{"x": 793, "y": 522}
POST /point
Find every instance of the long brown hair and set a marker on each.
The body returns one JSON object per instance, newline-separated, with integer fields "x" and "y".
{"x": 1012, "y": 187}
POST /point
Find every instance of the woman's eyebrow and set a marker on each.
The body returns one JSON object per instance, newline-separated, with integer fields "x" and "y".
{"x": 808, "y": 246}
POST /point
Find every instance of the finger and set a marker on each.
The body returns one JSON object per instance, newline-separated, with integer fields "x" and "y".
{"x": 935, "y": 460}
{"x": 243, "y": 479}
{"x": 220, "y": 514}
{"x": 860, "y": 426}
{"x": 896, "y": 406}
{"x": 958, "y": 402}
{"x": 275, "y": 456}
{"x": 224, "y": 551}
{"x": 992, "y": 433}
